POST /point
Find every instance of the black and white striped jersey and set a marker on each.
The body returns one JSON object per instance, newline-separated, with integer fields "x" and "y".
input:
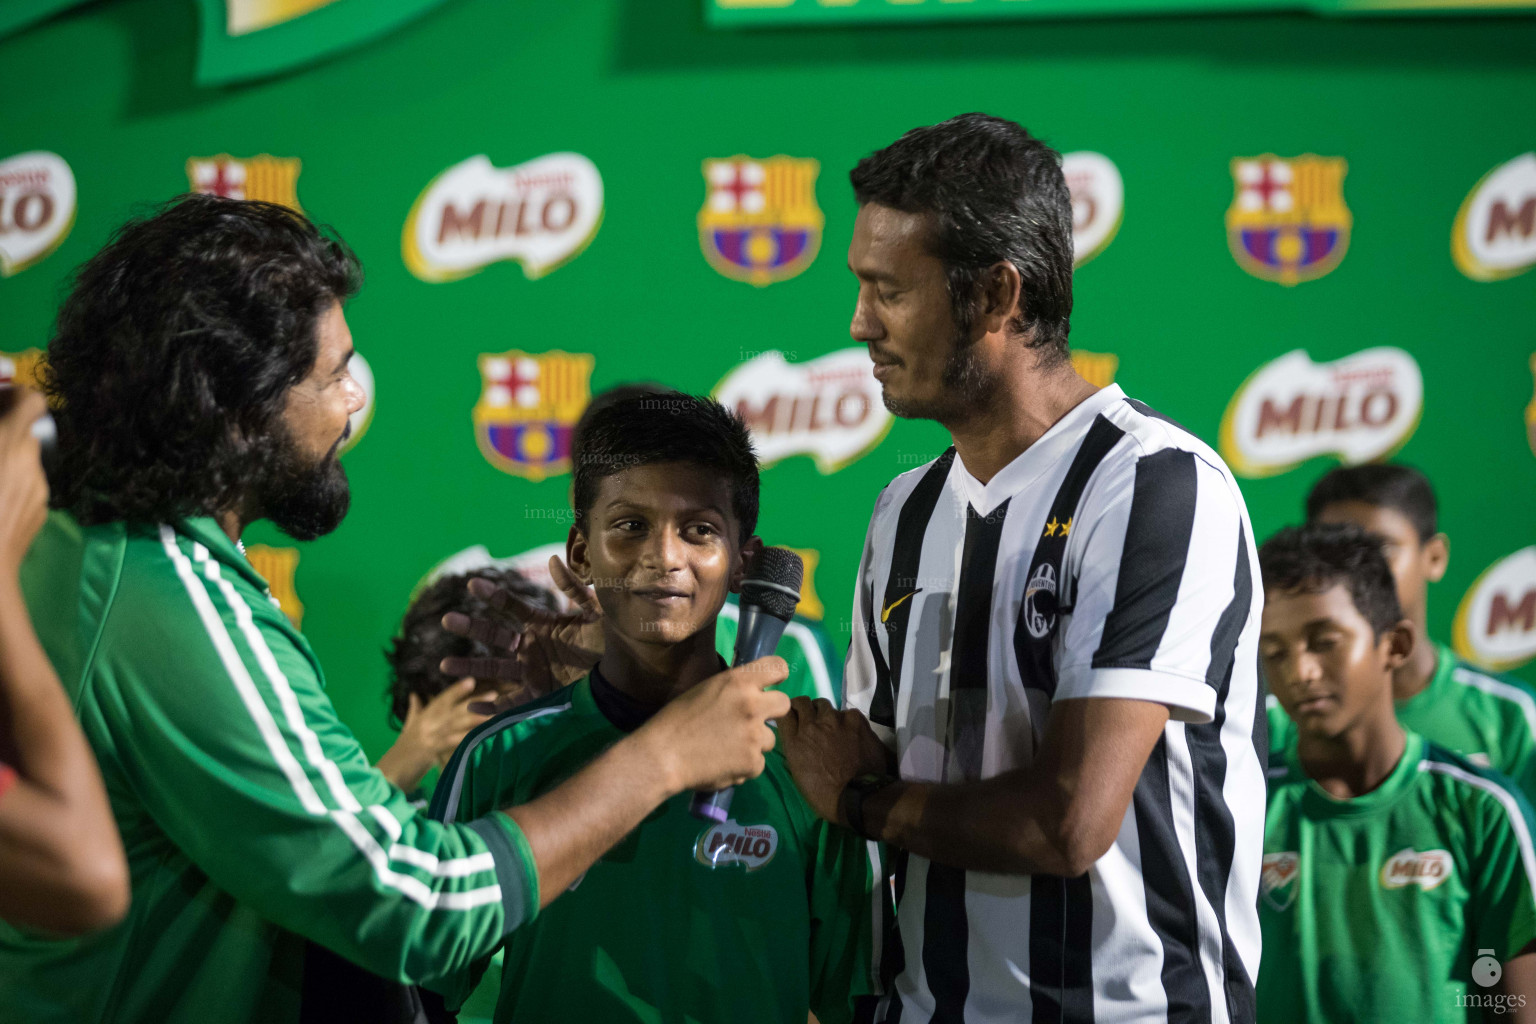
{"x": 1113, "y": 558}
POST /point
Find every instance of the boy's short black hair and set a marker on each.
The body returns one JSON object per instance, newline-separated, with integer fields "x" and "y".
{"x": 602, "y": 400}
{"x": 667, "y": 426}
{"x": 1313, "y": 558}
{"x": 414, "y": 655}
{"x": 1400, "y": 488}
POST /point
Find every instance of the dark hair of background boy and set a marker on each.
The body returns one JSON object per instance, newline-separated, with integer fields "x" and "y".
{"x": 1312, "y": 559}
{"x": 667, "y": 426}
{"x": 422, "y": 644}
{"x": 1401, "y": 488}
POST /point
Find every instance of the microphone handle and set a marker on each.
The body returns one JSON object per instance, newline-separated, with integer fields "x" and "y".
{"x": 757, "y": 636}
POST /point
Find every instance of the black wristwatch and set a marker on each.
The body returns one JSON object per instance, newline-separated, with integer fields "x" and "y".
{"x": 851, "y": 803}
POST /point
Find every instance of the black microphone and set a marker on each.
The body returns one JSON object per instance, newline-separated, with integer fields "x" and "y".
{"x": 768, "y": 598}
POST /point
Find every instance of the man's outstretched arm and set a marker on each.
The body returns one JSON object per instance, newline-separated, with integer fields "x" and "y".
{"x": 1058, "y": 817}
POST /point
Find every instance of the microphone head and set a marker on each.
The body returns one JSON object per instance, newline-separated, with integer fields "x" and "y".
{"x": 773, "y": 582}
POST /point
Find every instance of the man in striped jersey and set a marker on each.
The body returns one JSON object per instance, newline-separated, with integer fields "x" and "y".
{"x": 1398, "y": 877}
{"x": 199, "y": 371}
{"x": 1055, "y": 628}
{"x": 1487, "y": 718}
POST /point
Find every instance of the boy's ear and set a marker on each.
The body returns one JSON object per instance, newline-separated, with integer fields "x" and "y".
{"x": 1399, "y": 640}
{"x": 750, "y": 549}
{"x": 1437, "y": 556}
{"x": 576, "y": 555}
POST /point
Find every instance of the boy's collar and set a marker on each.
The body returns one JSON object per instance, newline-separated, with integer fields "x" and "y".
{"x": 622, "y": 711}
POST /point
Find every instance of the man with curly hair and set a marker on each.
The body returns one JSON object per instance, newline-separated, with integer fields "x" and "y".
{"x": 199, "y": 377}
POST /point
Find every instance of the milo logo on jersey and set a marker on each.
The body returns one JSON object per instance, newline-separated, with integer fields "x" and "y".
{"x": 1098, "y": 202}
{"x": 37, "y": 208}
{"x": 528, "y": 408}
{"x": 1288, "y": 222}
{"x": 271, "y": 179}
{"x": 1409, "y": 867}
{"x": 760, "y": 222}
{"x": 1494, "y": 234}
{"x": 828, "y": 408}
{"x": 751, "y": 846}
{"x": 1496, "y": 623}
{"x": 1277, "y": 879}
{"x": 1360, "y": 408}
{"x": 541, "y": 214}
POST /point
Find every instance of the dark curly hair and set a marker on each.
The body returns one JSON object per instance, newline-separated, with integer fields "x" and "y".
{"x": 995, "y": 194}
{"x": 1312, "y": 559}
{"x": 414, "y": 655}
{"x": 174, "y": 352}
{"x": 647, "y": 427}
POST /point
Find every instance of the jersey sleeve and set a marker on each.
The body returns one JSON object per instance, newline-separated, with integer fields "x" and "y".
{"x": 1163, "y": 586}
{"x": 219, "y": 721}
{"x": 7, "y": 778}
{"x": 847, "y": 896}
{"x": 1503, "y": 888}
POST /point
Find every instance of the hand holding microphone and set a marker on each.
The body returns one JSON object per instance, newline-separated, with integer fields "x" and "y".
{"x": 769, "y": 595}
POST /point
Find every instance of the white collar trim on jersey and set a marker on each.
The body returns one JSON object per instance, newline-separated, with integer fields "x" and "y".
{"x": 1057, "y": 443}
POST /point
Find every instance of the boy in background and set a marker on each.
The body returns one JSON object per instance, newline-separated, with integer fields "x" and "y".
{"x": 1397, "y": 876}
{"x": 1487, "y": 718}
{"x": 431, "y": 710}
{"x": 756, "y": 921}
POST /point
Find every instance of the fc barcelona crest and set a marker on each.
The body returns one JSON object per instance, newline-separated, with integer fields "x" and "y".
{"x": 760, "y": 222}
{"x": 270, "y": 179}
{"x": 1288, "y": 222}
{"x": 528, "y": 407}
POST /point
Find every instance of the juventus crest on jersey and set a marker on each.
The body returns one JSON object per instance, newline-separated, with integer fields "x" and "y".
{"x": 1113, "y": 558}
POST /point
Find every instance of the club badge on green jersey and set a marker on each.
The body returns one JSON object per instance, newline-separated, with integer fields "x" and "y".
{"x": 1277, "y": 881}
{"x": 1409, "y": 867}
{"x": 751, "y": 846}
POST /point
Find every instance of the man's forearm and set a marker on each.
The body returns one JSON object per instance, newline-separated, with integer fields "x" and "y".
{"x": 570, "y": 827}
{"x": 1010, "y": 824}
{"x": 64, "y": 862}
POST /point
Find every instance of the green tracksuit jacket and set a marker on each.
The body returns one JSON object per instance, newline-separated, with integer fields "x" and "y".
{"x": 251, "y": 817}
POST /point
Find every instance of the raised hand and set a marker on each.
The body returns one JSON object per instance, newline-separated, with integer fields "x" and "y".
{"x": 432, "y": 731}
{"x": 23, "y": 489}
{"x": 543, "y": 650}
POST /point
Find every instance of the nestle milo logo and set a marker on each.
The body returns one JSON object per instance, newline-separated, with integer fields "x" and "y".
{"x": 751, "y": 846}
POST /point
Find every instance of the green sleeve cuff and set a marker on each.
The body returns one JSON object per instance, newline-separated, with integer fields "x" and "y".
{"x": 516, "y": 872}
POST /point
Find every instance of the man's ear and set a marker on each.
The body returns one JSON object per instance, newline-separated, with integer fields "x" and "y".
{"x": 1399, "y": 640}
{"x": 576, "y": 555}
{"x": 1437, "y": 557}
{"x": 750, "y": 549}
{"x": 1001, "y": 296}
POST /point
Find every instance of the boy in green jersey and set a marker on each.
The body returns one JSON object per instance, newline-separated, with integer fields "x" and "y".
{"x": 755, "y": 921}
{"x": 1397, "y": 878}
{"x": 1487, "y": 718}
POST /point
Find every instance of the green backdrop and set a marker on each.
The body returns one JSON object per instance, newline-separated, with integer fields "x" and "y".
{"x": 1420, "y": 109}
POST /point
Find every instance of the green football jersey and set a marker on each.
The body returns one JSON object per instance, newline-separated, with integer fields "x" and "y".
{"x": 1374, "y": 909}
{"x": 1488, "y": 719}
{"x": 251, "y": 818}
{"x": 752, "y": 922}
{"x": 815, "y": 670}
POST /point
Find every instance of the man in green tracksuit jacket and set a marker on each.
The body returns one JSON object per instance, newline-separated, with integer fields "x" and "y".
{"x": 199, "y": 374}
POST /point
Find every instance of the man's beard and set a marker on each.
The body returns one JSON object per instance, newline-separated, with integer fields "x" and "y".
{"x": 303, "y": 499}
{"x": 967, "y": 387}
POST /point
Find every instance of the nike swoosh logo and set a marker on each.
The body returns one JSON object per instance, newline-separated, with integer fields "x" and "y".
{"x": 885, "y": 615}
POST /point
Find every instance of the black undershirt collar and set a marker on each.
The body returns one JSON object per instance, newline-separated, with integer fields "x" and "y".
{"x": 623, "y": 712}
